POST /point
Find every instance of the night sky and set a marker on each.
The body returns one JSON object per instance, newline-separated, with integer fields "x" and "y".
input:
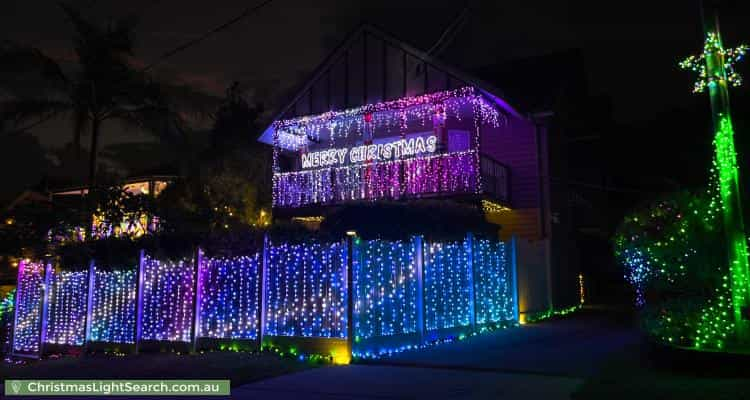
{"x": 630, "y": 48}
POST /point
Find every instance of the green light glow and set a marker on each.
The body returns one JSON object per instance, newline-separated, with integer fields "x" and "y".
{"x": 541, "y": 316}
{"x": 672, "y": 245}
{"x": 715, "y": 68}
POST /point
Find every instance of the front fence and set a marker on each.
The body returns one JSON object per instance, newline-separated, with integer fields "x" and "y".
{"x": 112, "y": 306}
{"x": 229, "y": 298}
{"x": 167, "y": 300}
{"x": 403, "y": 294}
{"x": 66, "y": 309}
{"x": 27, "y": 327}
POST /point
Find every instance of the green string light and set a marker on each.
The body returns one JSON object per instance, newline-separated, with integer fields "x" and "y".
{"x": 715, "y": 68}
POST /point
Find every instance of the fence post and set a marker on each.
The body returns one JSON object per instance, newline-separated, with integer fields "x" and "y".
{"x": 473, "y": 277}
{"x": 139, "y": 301}
{"x": 419, "y": 247}
{"x": 89, "y": 304}
{"x": 45, "y": 306}
{"x": 349, "y": 294}
{"x": 19, "y": 277}
{"x": 514, "y": 276}
{"x": 197, "y": 298}
{"x": 262, "y": 298}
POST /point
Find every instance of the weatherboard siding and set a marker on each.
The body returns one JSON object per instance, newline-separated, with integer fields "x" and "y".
{"x": 514, "y": 144}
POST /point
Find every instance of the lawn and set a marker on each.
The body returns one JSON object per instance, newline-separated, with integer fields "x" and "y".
{"x": 239, "y": 367}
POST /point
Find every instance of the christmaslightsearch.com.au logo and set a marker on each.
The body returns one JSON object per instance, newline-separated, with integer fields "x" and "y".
{"x": 33, "y": 387}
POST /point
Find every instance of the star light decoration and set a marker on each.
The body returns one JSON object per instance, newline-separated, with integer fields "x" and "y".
{"x": 728, "y": 56}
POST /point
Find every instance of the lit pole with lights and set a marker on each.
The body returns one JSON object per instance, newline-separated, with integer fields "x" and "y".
{"x": 715, "y": 68}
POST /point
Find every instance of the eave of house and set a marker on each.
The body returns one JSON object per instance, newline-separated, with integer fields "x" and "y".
{"x": 491, "y": 93}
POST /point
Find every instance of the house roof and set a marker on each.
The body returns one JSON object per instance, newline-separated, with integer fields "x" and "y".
{"x": 338, "y": 65}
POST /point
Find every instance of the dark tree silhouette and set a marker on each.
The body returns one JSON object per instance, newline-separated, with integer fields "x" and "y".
{"x": 106, "y": 86}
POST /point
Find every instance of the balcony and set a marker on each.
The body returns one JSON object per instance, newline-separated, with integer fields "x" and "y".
{"x": 441, "y": 175}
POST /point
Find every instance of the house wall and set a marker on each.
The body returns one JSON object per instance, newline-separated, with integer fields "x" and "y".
{"x": 515, "y": 145}
{"x": 524, "y": 148}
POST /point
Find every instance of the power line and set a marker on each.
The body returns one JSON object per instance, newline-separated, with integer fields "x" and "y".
{"x": 450, "y": 32}
{"x": 206, "y": 35}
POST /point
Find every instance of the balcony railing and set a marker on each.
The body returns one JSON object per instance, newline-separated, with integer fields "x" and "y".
{"x": 434, "y": 176}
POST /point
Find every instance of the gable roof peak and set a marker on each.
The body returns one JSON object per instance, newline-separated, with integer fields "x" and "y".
{"x": 372, "y": 66}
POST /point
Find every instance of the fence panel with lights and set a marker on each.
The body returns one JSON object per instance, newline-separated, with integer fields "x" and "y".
{"x": 295, "y": 298}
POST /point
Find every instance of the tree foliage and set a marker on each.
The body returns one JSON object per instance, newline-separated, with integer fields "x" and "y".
{"x": 674, "y": 255}
{"x": 105, "y": 86}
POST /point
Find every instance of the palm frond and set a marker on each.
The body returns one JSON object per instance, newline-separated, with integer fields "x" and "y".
{"x": 27, "y": 71}
{"x": 188, "y": 101}
{"x": 15, "y": 112}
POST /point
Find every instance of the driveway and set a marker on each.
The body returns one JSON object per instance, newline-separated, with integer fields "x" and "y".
{"x": 573, "y": 346}
{"x": 548, "y": 360}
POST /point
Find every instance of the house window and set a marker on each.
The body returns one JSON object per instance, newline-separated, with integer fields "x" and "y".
{"x": 458, "y": 141}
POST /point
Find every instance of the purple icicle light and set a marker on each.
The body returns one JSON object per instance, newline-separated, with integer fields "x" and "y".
{"x": 444, "y": 173}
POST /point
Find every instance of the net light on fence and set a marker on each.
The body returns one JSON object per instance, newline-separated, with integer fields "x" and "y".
{"x": 114, "y": 306}
{"x": 230, "y": 297}
{"x": 66, "y": 315}
{"x": 385, "y": 284}
{"x": 400, "y": 288}
{"x": 168, "y": 300}
{"x": 307, "y": 290}
{"x": 28, "y": 307}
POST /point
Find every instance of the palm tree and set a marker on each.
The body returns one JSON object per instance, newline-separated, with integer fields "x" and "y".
{"x": 105, "y": 87}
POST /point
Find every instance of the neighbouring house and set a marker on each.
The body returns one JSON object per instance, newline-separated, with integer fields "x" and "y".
{"x": 133, "y": 225}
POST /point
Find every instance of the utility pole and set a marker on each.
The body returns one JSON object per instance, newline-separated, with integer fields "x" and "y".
{"x": 716, "y": 73}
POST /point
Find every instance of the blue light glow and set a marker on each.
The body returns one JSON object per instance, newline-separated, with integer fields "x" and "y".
{"x": 385, "y": 284}
{"x": 113, "y": 306}
{"x": 307, "y": 290}
{"x": 448, "y": 285}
